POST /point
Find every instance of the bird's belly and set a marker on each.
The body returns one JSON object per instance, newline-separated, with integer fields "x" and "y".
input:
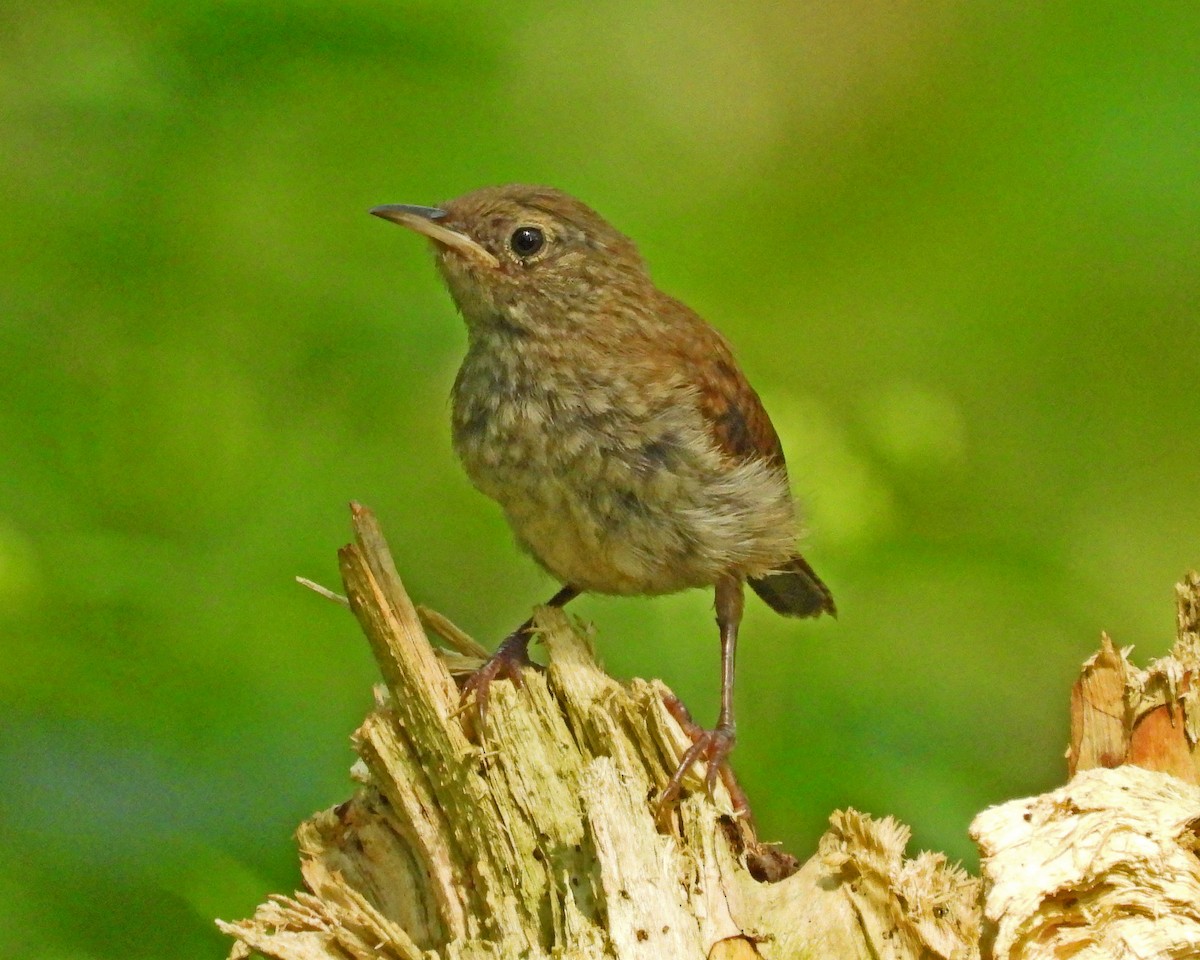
{"x": 594, "y": 546}
{"x": 608, "y": 513}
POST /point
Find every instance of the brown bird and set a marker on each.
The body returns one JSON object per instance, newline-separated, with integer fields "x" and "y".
{"x": 612, "y": 425}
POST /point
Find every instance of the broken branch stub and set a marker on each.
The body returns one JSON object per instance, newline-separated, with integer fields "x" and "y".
{"x": 542, "y": 842}
{"x": 1149, "y": 718}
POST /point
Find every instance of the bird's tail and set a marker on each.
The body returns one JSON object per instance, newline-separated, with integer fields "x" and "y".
{"x": 795, "y": 590}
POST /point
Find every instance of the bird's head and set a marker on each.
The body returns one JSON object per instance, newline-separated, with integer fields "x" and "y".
{"x": 526, "y": 256}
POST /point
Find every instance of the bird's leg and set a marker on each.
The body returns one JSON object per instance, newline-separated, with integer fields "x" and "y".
{"x": 714, "y": 746}
{"x": 510, "y": 658}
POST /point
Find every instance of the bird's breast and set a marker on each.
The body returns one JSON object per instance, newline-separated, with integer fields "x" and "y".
{"x": 612, "y": 484}
{"x": 526, "y": 427}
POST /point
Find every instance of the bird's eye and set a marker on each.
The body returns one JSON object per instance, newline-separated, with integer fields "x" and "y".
{"x": 526, "y": 241}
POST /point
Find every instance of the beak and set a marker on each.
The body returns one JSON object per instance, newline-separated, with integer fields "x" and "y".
{"x": 424, "y": 220}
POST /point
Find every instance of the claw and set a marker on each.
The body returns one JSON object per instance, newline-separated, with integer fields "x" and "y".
{"x": 713, "y": 748}
{"x": 509, "y": 660}
{"x": 716, "y": 755}
{"x": 507, "y": 663}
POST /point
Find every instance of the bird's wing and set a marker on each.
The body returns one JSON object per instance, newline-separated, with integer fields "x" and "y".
{"x": 737, "y": 421}
{"x": 736, "y": 418}
{"x": 742, "y": 430}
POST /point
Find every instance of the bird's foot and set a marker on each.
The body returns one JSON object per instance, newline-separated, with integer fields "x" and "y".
{"x": 766, "y": 862}
{"x": 713, "y": 748}
{"x": 507, "y": 663}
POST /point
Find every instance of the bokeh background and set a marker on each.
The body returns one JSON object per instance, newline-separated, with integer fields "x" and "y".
{"x": 956, "y": 247}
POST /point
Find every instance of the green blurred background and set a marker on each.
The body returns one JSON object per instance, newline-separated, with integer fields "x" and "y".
{"x": 956, "y": 246}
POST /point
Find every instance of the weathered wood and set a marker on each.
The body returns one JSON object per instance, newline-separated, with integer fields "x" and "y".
{"x": 1151, "y": 717}
{"x": 1103, "y": 867}
{"x": 542, "y": 842}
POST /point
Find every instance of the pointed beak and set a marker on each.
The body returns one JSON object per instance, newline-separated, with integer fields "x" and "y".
{"x": 424, "y": 220}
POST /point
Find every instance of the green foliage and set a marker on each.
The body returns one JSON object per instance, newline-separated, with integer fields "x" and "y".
{"x": 955, "y": 246}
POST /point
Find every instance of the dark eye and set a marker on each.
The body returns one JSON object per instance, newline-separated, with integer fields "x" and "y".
{"x": 526, "y": 241}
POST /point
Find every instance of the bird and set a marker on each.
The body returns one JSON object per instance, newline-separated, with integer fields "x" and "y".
{"x": 612, "y": 425}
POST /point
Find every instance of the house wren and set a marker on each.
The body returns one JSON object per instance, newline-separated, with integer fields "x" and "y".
{"x": 612, "y": 425}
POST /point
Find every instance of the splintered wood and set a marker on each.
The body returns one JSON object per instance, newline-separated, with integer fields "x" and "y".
{"x": 542, "y": 841}
{"x": 1107, "y": 866}
{"x": 1151, "y": 717}
{"x": 1103, "y": 867}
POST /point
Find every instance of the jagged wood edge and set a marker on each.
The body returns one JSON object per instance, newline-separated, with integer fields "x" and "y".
{"x": 546, "y": 838}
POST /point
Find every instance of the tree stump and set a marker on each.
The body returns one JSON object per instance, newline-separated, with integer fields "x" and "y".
{"x": 536, "y": 837}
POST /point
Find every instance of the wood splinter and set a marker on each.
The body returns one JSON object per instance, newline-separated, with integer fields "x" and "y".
{"x": 548, "y": 847}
